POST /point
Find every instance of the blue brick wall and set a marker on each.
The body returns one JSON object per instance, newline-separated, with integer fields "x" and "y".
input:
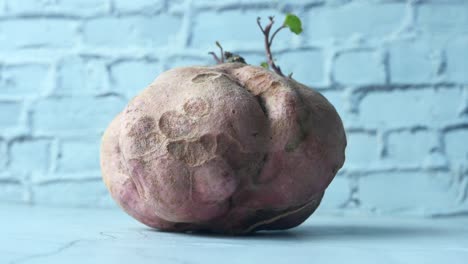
{"x": 397, "y": 72}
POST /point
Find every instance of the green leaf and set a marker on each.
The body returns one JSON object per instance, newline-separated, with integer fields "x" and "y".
{"x": 294, "y": 23}
{"x": 265, "y": 65}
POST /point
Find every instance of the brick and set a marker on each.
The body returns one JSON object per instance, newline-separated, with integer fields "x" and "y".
{"x": 30, "y": 155}
{"x": 456, "y": 145}
{"x": 445, "y": 19}
{"x": 410, "y": 191}
{"x": 3, "y": 154}
{"x": 107, "y": 202}
{"x": 252, "y": 58}
{"x": 344, "y": 21}
{"x": 229, "y": 3}
{"x": 436, "y": 160}
{"x": 403, "y": 108}
{"x": 337, "y": 99}
{"x": 457, "y": 60}
{"x": 74, "y": 193}
{"x": 77, "y": 115}
{"x": 337, "y": 194}
{"x": 62, "y": 7}
{"x": 412, "y": 62}
{"x": 12, "y": 193}
{"x": 186, "y": 61}
{"x": 132, "y": 31}
{"x": 2, "y": 7}
{"x": 125, "y": 6}
{"x": 358, "y": 67}
{"x": 245, "y": 3}
{"x": 362, "y": 150}
{"x": 305, "y": 2}
{"x": 10, "y": 112}
{"x": 407, "y": 147}
{"x": 77, "y": 75}
{"x": 79, "y": 155}
{"x": 23, "y": 80}
{"x": 307, "y": 66}
{"x": 35, "y": 33}
{"x": 233, "y": 28}
{"x": 131, "y": 77}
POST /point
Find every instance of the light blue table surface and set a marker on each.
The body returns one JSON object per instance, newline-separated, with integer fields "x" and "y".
{"x": 66, "y": 236}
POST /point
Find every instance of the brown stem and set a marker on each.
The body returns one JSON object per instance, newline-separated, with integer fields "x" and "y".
{"x": 221, "y": 51}
{"x": 268, "y": 42}
{"x": 276, "y": 32}
{"x": 215, "y": 57}
{"x": 259, "y": 24}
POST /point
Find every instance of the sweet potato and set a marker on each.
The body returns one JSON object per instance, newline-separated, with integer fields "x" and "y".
{"x": 231, "y": 148}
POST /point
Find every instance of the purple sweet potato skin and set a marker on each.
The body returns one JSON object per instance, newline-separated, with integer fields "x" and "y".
{"x": 231, "y": 148}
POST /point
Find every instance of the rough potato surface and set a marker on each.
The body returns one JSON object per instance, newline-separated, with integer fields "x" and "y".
{"x": 231, "y": 148}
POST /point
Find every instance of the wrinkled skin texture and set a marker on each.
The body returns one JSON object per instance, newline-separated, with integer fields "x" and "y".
{"x": 231, "y": 149}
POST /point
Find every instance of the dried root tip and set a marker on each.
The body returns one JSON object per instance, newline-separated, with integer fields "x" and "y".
{"x": 221, "y": 59}
{"x": 226, "y": 56}
{"x": 231, "y": 57}
{"x": 215, "y": 57}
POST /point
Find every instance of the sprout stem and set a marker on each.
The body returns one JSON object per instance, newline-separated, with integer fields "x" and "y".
{"x": 269, "y": 41}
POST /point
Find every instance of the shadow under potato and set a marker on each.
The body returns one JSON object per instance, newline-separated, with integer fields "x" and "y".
{"x": 317, "y": 232}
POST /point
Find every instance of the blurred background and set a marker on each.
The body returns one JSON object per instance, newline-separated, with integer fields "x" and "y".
{"x": 397, "y": 72}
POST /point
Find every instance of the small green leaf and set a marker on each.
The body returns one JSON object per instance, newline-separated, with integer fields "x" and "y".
{"x": 265, "y": 65}
{"x": 294, "y": 23}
